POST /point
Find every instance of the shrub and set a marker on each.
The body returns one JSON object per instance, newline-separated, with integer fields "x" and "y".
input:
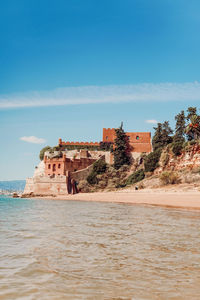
{"x": 102, "y": 184}
{"x": 92, "y": 178}
{"x": 193, "y": 142}
{"x": 83, "y": 186}
{"x": 195, "y": 170}
{"x": 151, "y": 161}
{"x": 43, "y": 150}
{"x": 141, "y": 186}
{"x": 120, "y": 185}
{"x": 177, "y": 147}
{"x": 169, "y": 178}
{"x": 106, "y": 146}
{"x": 124, "y": 168}
{"x": 99, "y": 166}
{"x": 185, "y": 144}
{"x": 164, "y": 158}
{"x": 135, "y": 177}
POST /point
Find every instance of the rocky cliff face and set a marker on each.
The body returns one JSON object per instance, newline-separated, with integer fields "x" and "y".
{"x": 188, "y": 160}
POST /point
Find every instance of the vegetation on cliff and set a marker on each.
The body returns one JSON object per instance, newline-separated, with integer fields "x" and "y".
{"x": 169, "y": 146}
{"x": 99, "y": 167}
{"x": 155, "y": 168}
{"x": 43, "y": 150}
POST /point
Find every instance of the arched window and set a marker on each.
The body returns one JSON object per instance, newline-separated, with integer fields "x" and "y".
{"x": 137, "y": 137}
{"x": 49, "y": 166}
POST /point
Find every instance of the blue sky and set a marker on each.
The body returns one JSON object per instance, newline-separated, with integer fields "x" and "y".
{"x": 69, "y": 68}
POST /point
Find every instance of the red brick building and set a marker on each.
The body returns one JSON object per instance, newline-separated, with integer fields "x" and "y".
{"x": 63, "y": 165}
{"x": 139, "y": 141}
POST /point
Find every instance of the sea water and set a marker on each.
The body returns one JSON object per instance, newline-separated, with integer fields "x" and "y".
{"x": 51, "y": 249}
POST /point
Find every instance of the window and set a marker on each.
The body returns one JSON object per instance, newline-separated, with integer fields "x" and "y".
{"x": 137, "y": 137}
{"x": 54, "y": 167}
{"x": 58, "y": 166}
{"x": 49, "y": 166}
{"x": 106, "y": 138}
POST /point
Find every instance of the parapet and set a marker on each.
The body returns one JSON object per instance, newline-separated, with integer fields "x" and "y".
{"x": 67, "y": 143}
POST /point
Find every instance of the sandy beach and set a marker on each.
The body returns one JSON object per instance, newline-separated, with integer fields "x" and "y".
{"x": 189, "y": 199}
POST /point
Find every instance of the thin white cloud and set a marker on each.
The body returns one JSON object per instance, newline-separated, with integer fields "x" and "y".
{"x": 152, "y": 121}
{"x": 32, "y": 139}
{"x": 146, "y": 92}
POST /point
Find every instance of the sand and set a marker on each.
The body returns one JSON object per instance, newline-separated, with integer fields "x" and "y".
{"x": 158, "y": 197}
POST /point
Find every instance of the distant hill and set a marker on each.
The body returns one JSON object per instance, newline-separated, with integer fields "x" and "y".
{"x": 13, "y": 185}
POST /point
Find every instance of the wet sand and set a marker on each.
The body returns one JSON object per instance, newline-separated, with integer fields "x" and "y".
{"x": 158, "y": 197}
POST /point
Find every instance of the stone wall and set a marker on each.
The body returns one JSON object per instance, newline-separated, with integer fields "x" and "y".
{"x": 83, "y": 174}
{"x": 45, "y": 185}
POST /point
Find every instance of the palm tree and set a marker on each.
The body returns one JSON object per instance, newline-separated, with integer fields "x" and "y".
{"x": 193, "y": 128}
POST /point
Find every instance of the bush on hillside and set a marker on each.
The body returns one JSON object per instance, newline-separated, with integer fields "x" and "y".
{"x": 41, "y": 155}
{"x": 83, "y": 186}
{"x": 177, "y": 148}
{"x": 193, "y": 142}
{"x": 135, "y": 177}
{"x": 169, "y": 178}
{"x": 92, "y": 178}
{"x": 99, "y": 166}
{"x": 164, "y": 159}
{"x": 151, "y": 160}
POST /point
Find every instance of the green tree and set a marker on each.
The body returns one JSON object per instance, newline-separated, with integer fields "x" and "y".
{"x": 178, "y": 138}
{"x": 41, "y": 155}
{"x": 166, "y": 131}
{"x": 100, "y": 166}
{"x": 157, "y": 138}
{"x": 122, "y": 154}
{"x": 135, "y": 177}
{"x": 151, "y": 161}
{"x": 180, "y": 127}
{"x": 192, "y": 111}
{"x": 193, "y": 128}
{"x": 162, "y": 136}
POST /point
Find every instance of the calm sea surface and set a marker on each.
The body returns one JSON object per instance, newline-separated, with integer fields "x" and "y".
{"x": 83, "y": 250}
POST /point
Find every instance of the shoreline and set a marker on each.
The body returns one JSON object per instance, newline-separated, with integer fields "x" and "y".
{"x": 158, "y": 197}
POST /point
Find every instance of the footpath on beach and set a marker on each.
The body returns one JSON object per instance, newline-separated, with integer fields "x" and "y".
{"x": 176, "y": 199}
